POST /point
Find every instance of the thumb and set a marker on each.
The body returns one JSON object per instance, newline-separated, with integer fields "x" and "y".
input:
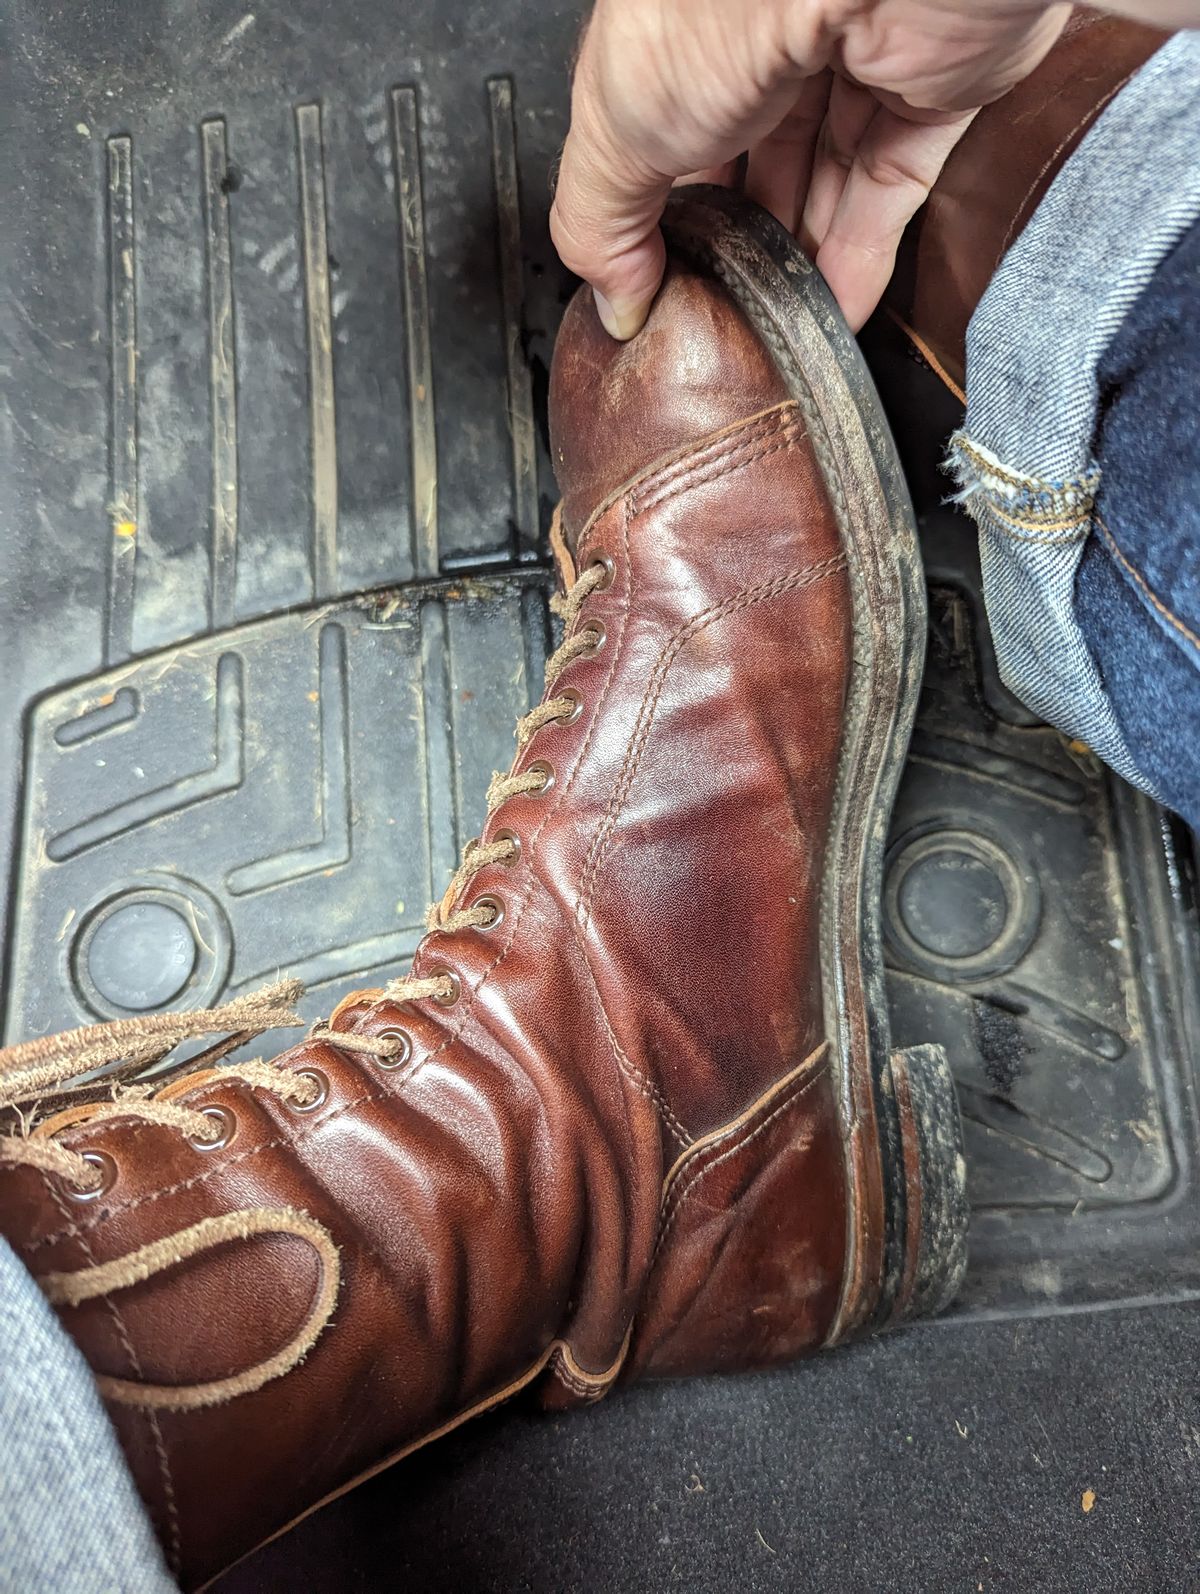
{"x": 604, "y": 221}
{"x": 660, "y": 90}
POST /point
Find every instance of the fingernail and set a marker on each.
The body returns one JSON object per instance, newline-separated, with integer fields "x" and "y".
{"x": 620, "y": 321}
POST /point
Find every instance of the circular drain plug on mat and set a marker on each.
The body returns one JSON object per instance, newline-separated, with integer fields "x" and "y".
{"x": 956, "y": 906}
{"x": 148, "y": 947}
{"x": 140, "y": 955}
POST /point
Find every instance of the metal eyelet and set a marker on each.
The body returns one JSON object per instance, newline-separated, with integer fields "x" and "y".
{"x": 453, "y": 996}
{"x": 598, "y": 631}
{"x": 226, "y": 1132}
{"x": 514, "y": 841}
{"x": 108, "y": 1177}
{"x": 320, "y": 1079}
{"x": 395, "y": 1059}
{"x": 497, "y": 911}
{"x": 576, "y": 700}
{"x": 610, "y": 571}
{"x": 546, "y": 771}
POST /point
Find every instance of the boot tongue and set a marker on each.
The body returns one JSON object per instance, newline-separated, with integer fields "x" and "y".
{"x": 615, "y": 408}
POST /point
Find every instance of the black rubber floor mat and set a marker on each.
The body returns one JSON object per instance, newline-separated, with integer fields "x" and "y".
{"x": 1041, "y": 921}
{"x": 279, "y": 304}
{"x": 1036, "y": 926}
{"x": 288, "y": 794}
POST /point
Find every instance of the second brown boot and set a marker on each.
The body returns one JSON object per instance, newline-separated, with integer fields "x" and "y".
{"x": 636, "y": 1109}
{"x": 997, "y": 176}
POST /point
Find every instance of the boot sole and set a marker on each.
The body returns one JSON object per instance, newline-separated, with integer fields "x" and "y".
{"x": 906, "y": 1246}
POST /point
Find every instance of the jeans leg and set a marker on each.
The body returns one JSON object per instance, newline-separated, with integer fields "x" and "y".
{"x": 71, "y": 1521}
{"x": 1138, "y": 594}
{"x": 1026, "y": 459}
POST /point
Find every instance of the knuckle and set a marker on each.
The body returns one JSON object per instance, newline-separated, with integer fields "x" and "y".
{"x": 889, "y": 171}
{"x": 573, "y": 250}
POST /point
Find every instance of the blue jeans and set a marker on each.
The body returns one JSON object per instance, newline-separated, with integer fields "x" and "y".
{"x": 1080, "y": 454}
{"x": 70, "y": 1518}
{"x": 1138, "y": 590}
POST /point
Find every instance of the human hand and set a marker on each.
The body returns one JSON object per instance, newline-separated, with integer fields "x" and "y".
{"x": 848, "y": 111}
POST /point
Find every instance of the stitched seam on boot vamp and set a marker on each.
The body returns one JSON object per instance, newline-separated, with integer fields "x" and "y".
{"x": 795, "y": 580}
{"x": 683, "y": 458}
{"x": 158, "y": 1442}
{"x": 635, "y": 749}
{"x": 785, "y": 433}
{"x": 689, "y": 1183}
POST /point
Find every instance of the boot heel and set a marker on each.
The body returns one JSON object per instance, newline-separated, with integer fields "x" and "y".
{"x": 934, "y": 1174}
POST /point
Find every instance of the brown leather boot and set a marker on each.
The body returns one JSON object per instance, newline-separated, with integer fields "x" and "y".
{"x": 998, "y": 175}
{"x": 635, "y": 1110}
